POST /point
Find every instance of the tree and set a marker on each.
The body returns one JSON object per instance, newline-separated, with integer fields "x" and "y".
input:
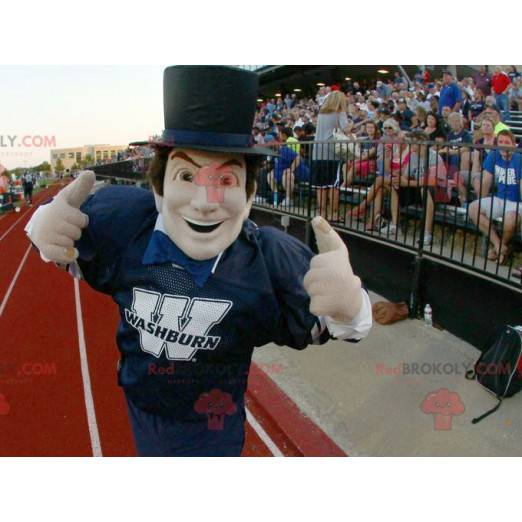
{"x": 59, "y": 166}
{"x": 43, "y": 167}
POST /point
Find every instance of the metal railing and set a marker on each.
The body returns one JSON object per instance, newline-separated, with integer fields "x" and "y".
{"x": 432, "y": 198}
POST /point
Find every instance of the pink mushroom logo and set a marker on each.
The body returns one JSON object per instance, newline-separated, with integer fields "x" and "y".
{"x": 215, "y": 404}
{"x": 216, "y": 178}
{"x": 443, "y": 405}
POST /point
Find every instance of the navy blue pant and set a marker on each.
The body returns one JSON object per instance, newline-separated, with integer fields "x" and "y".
{"x": 159, "y": 436}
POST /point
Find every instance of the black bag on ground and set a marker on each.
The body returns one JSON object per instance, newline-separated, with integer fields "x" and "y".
{"x": 499, "y": 368}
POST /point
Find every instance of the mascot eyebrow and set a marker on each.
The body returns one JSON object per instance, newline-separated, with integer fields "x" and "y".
{"x": 186, "y": 157}
{"x": 214, "y": 177}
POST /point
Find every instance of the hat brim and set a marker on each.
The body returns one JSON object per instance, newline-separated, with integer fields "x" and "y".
{"x": 250, "y": 151}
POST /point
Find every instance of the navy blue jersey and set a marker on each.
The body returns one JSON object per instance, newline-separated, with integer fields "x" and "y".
{"x": 179, "y": 340}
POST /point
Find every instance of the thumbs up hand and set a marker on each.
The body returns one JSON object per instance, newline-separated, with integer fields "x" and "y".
{"x": 55, "y": 227}
{"x": 333, "y": 288}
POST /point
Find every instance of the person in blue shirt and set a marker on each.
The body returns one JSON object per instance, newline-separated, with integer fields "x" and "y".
{"x": 450, "y": 95}
{"x": 197, "y": 284}
{"x": 404, "y": 114}
{"x": 502, "y": 171}
{"x": 459, "y": 156}
{"x": 289, "y": 166}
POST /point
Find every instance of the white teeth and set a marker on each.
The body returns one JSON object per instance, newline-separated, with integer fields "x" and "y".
{"x": 201, "y": 223}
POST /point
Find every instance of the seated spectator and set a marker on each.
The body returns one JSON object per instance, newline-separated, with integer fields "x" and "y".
{"x": 404, "y": 115}
{"x": 465, "y": 107}
{"x": 363, "y": 164}
{"x": 421, "y": 114}
{"x": 503, "y": 170}
{"x": 299, "y": 133}
{"x": 373, "y": 106}
{"x": 477, "y": 105}
{"x": 443, "y": 120}
{"x": 382, "y": 115}
{"x": 515, "y": 94}
{"x": 426, "y": 169}
{"x": 492, "y": 112}
{"x": 423, "y": 101}
{"x": 360, "y": 120}
{"x": 432, "y": 126}
{"x": 434, "y": 105}
{"x": 258, "y": 136}
{"x": 415, "y": 124}
{"x": 309, "y": 130}
{"x": 513, "y": 73}
{"x": 459, "y": 156}
{"x": 486, "y": 138}
{"x": 383, "y": 90}
{"x": 391, "y": 156}
{"x": 287, "y": 167}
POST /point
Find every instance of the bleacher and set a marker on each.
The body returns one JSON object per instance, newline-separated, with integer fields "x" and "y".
{"x": 515, "y": 124}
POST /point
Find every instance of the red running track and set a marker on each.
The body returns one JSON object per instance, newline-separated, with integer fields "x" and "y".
{"x": 58, "y": 389}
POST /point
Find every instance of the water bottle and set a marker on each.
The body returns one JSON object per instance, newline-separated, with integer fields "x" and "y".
{"x": 428, "y": 315}
{"x": 276, "y": 198}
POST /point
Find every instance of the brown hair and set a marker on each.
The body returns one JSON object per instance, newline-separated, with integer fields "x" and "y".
{"x": 156, "y": 170}
{"x": 377, "y": 133}
{"x": 507, "y": 132}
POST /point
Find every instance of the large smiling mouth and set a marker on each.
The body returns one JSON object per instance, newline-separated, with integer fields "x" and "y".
{"x": 202, "y": 226}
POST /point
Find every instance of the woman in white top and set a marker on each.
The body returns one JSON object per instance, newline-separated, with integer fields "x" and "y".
{"x": 325, "y": 166}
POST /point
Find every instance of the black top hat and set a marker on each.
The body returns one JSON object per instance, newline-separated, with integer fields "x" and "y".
{"x": 209, "y": 107}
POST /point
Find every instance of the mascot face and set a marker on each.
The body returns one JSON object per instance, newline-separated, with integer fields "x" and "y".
{"x": 204, "y": 201}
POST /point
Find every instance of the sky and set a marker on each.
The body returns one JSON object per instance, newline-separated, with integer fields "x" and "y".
{"x": 77, "y": 105}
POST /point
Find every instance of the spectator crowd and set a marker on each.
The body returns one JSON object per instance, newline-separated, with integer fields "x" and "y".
{"x": 409, "y": 104}
{"x": 438, "y": 133}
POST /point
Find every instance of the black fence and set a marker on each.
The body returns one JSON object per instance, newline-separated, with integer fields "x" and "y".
{"x": 432, "y": 198}
{"x": 126, "y": 171}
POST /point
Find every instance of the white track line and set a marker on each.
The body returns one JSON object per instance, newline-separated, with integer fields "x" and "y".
{"x": 27, "y": 211}
{"x": 87, "y": 391}
{"x": 13, "y": 225}
{"x": 11, "y": 286}
{"x": 263, "y": 435}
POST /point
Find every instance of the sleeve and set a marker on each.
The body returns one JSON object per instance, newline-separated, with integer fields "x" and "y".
{"x": 96, "y": 263}
{"x": 96, "y": 250}
{"x": 297, "y": 327}
{"x": 358, "y": 328}
{"x": 458, "y": 94}
{"x": 489, "y": 162}
{"x": 288, "y": 260}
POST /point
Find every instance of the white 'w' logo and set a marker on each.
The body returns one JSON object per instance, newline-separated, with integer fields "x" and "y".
{"x": 177, "y": 324}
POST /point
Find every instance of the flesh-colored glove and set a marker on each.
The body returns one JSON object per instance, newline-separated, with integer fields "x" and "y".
{"x": 59, "y": 224}
{"x": 333, "y": 288}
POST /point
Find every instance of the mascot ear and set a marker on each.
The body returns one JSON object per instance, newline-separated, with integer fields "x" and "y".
{"x": 158, "y": 200}
{"x": 250, "y": 201}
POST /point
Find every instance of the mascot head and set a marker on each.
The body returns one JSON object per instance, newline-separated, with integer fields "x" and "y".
{"x": 204, "y": 170}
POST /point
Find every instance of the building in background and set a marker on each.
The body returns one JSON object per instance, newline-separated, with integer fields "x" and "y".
{"x": 74, "y": 155}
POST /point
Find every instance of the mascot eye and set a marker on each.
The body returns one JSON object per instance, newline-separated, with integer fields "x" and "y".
{"x": 227, "y": 180}
{"x": 186, "y": 175}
